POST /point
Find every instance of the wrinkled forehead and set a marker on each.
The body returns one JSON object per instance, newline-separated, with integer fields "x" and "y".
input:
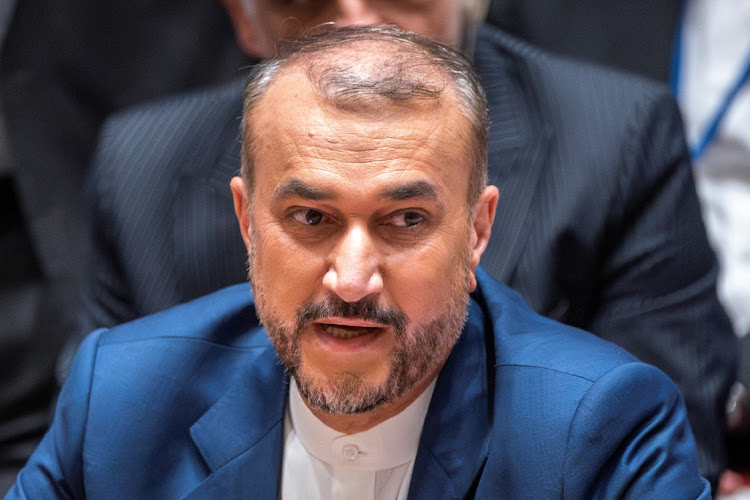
{"x": 294, "y": 102}
{"x": 331, "y": 113}
{"x": 296, "y": 125}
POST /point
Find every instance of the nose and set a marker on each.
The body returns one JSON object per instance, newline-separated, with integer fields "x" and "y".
{"x": 354, "y": 271}
{"x": 356, "y": 13}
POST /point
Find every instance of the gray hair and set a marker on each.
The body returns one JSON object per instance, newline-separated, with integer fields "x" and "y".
{"x": 421, "y": 69}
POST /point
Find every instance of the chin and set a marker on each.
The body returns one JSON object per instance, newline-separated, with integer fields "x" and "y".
{"x": 345, "y": 393}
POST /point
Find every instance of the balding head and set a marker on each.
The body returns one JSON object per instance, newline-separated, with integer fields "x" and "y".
{"x": 371, "y": 71}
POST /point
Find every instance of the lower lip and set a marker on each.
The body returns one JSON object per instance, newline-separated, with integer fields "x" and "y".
{"x": 359, "y": 343}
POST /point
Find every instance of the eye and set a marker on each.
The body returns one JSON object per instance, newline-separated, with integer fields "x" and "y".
{"x": 407, "y": 218}
{"x": 307, "y": 216}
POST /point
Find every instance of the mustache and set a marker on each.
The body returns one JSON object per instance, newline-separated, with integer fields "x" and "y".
{"x": 365, "y": 309}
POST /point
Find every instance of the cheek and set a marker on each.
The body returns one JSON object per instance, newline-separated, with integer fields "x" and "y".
{"x": 423, "y": 282}
{"x": 290, "y": 272}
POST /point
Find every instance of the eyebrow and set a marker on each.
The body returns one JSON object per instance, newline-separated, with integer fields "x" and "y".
{"x": 296, "y": 188}
{"x": 417, "y": 189}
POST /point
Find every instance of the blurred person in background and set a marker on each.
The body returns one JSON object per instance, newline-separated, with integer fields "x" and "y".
{"x": 711, "y": 78}
{"x": 28, "y": 310}
{"x": 65, "y": 65}
{"x": 702, "y": 48}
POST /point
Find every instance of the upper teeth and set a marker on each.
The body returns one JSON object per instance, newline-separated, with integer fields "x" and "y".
{"x": 345, "y": 332}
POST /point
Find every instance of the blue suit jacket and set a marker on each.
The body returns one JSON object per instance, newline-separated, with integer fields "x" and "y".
{"x": 190, "y": 403}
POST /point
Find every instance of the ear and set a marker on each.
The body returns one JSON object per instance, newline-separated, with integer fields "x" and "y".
{"x": 244, "y": 31}
{"x": 242, "y": 209}
{"x": 484, "y": 216}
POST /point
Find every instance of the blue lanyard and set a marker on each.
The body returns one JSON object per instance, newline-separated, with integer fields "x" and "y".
{"x": 709, "y": 135}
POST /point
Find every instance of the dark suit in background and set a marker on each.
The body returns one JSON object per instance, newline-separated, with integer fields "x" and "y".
{"x": 598, "y": 222}
{"x": 28, "y": 307}
{"x": 65, "y": 65}
{"x": 636, "y": 35}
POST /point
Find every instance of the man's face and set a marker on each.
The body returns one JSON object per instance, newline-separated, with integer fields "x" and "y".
{"x": 362, "y": 244}
{"x": 259, "y": 24}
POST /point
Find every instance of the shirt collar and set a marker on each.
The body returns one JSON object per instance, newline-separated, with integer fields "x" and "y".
{"x": 389, "y": 444}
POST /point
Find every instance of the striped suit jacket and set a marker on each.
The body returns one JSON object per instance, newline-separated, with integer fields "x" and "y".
{"x": 598, "y": 223}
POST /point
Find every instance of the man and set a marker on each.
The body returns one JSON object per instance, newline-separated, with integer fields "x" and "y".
{"x": 600, "y": 228}
{"x": 364, "y": 210}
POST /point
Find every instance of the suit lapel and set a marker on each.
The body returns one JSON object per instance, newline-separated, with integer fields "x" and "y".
{"x": 518, "y": 147}
{"x": 453, "y": 448}
{"x": 241, "y": 436}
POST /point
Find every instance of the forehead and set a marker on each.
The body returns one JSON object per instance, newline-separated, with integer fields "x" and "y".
{"x": 297, "y": 131}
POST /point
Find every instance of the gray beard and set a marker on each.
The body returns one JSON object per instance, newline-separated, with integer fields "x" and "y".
{"x": 417, "y": 354}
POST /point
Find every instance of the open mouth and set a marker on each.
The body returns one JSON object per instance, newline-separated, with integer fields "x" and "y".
{"x": 346, "y": 332}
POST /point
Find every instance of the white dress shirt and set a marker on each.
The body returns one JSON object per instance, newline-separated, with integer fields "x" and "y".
{"x": 321, "y": 463}
{"x": 715, "y": 49}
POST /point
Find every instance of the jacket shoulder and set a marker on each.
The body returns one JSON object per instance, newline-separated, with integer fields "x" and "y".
{"x": 578, "y": 415}
{"x": 524, "y": 338}
{"x": 136, "y": 391}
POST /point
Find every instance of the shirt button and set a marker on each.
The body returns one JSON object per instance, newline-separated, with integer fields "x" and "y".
{"x": 350, "y": 452}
